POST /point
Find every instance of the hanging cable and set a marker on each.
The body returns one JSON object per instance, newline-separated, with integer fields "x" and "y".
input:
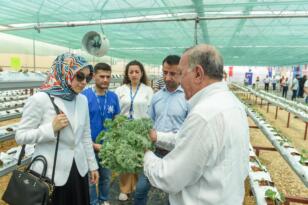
{"x": 196, "y": 30}
{"x": 101, "y": 15}
{"x": 38, "y": 26}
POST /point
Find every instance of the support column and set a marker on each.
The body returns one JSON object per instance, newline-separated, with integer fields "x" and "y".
{"x": 288, "y": 123}
{"x": 306, "y": 130}
{"x": 276, "y": 115}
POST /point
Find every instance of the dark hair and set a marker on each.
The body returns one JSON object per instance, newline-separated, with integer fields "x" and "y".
{"x": 102, "y": 66}
{"x": 172, "y": 60}
{"x": 143, "y": 79}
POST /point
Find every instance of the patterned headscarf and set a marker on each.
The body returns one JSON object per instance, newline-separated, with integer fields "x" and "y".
{"x": 62, "y": 72}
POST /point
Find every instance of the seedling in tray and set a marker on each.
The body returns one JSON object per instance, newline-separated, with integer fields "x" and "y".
{"x": 304, "y": 157}
{"x": 283, "y": 140}
{"x": 273, "y": 197}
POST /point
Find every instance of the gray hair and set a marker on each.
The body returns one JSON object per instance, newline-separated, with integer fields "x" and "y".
{"x": 208, "y": 58}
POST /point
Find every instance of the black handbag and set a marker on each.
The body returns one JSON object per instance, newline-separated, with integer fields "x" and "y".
{"x": 28, "y": 187}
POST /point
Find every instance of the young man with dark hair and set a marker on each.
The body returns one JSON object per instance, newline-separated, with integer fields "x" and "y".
{"x": 103, "y": 104}
{"x": 169, "y": 60}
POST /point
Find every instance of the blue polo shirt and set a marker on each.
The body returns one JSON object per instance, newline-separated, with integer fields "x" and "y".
{"x": 110, "y": 107}
{"x": 168, "y": 110}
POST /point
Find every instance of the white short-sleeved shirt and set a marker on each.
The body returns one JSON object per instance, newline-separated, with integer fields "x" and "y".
{"x": 141, "y": 103}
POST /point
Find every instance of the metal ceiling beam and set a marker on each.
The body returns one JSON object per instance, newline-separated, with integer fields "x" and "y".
{"x": 151, "y": 20}
{"x": 260, "y": 3}
{"x": 185, "y": 8}
{"x": 191, "y": 7}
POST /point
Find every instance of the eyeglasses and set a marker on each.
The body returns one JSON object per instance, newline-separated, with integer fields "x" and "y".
{"x": 80, "y": 76}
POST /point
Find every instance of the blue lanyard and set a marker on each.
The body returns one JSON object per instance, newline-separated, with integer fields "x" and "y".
{"x": 102, "y": 111}
{"x": 132, "y": 98}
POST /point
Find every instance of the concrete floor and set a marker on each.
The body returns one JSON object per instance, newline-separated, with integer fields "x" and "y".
{"x": 155, "y": 196}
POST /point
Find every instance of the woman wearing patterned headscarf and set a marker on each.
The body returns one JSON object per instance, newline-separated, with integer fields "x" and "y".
{"x": 39, "y": 124}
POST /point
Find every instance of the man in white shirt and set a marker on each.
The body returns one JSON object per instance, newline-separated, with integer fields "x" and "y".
{"x": 209, "y": 161}
{"x": 274, "y": 82}
{"x": 294, "y": 87}
{"x": 266, "y": 83}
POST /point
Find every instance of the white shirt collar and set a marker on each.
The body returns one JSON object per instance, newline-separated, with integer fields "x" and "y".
{"x": 207, "y": 91}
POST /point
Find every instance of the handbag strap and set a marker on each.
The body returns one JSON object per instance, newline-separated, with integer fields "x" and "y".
{"x": 21, "y": 155}
{"x": 22, "y": 152}
{"x": 57, "y": 145}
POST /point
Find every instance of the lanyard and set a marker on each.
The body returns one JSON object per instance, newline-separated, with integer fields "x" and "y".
{"x": 102, "y": 111}
{"x": 132, "y": 98}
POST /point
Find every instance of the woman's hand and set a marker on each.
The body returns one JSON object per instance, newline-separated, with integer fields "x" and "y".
{"x": 59, "y": 122}
{"x": 94, "y": 177}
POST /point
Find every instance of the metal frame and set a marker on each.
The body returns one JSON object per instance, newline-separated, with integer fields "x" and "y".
{"x": 11, "y": 108}
{"x": 6, "y": 137}
{"x": 6, "y": 170}
{"x": 15, "y": 85}
{"x": 145, "y": 19}
{"x": 266, "y": 131}
{"x": 10, "y": 116}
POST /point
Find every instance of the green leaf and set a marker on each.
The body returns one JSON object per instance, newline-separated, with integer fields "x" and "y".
{"x": 304, "y": 157}
{"x": 124, "y": 144}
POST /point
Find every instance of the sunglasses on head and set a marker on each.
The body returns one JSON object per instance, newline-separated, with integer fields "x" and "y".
{"x": 80, "y": 76}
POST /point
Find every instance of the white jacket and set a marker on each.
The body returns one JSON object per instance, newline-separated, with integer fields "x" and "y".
{"x": 75, "y": 140}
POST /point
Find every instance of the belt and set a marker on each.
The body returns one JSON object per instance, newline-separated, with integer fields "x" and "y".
{"x": 161, "y": 151}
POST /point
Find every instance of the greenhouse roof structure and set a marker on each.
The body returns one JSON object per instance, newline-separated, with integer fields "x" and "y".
{"x": 247, "y": 32}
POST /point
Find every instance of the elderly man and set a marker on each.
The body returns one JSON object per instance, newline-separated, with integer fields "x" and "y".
{"x": 209, "y": 161}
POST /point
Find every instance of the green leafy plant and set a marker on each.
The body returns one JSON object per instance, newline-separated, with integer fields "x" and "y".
{"x": 283, "y": 140}
{"x": 124, "y": 144}
{"x": 277, "y": 132}
{"x": 277, "y": 197}
{"x": 304, "y": 157}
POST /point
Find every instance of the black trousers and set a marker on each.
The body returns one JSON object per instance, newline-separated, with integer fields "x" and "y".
{"x": 74, "y": 192}
{"x": 266, "y": 86}
{"x": 284, "y": 91}
{"x": 294, "y": 94}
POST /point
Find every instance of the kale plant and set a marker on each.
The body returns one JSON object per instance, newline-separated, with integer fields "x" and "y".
{"x": 304, "y": 157}
{"x": 276, "y": 197}
{"x": 124, "y": 144}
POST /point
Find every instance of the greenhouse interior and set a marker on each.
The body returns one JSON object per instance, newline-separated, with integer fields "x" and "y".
{"x": 145, "y": 98}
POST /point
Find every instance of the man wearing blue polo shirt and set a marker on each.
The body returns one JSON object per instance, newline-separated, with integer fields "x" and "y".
{"x": 168, "y": 111}
{"x": 103, "y": 104}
